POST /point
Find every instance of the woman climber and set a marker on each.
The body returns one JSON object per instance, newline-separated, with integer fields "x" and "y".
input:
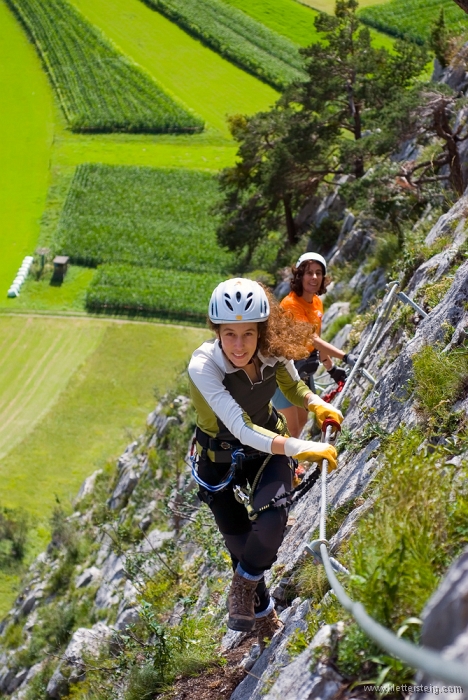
{"x": 309, "y": 280}
{"x": 240, "y": 436}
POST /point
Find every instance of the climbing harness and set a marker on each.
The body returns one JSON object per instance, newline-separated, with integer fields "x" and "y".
{"x": 237, "y": 458}
{"x": 245, "y": 494}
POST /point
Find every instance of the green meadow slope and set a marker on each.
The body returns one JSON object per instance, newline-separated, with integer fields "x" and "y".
{"x": 37, "y": 359}
{"x": 26, "y": 125}
{"x": 101, "y": 390}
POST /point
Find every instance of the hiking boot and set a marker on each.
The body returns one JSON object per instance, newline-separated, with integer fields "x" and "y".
{"x": 266, "y": 627}
{"x": 241, "y": 604}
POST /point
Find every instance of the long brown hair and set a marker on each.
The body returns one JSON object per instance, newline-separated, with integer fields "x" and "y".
{"x": 298, "y": 274}
{"x": 280, "y": 335}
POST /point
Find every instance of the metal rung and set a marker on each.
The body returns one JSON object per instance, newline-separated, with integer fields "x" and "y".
{"x": 406, "y": 300}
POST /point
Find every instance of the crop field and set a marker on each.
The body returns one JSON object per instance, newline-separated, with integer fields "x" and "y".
{"x": 237, "y": 37}
{"x": 127, "y": 289}
{"x": 204, "y": 81}
{"x": 141, "y": 216}
{"x": 25, "y": 124}
{"x": 90, "y": 76}
{"x": 413, "y": 18}
{"x": 157, "y": 225}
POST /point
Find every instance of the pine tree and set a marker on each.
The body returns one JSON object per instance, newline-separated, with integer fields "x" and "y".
{"x": 286, "y": 154}
{"x": 439, "y": 40}
{"x": 352, "y": 80}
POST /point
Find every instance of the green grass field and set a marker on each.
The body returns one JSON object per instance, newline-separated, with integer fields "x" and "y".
{"x": 379, "y": 39}
{"x": 37, "y": 360}
{"x": 86, "y": 386}
{"x": 98, "y": 402}
{"x": 89, "y": 75}
{"x": 287, "y": 17}
{"x": 26, "y": 127}
{"x": 201, "y": 79}
{"x": 235, "y": 35}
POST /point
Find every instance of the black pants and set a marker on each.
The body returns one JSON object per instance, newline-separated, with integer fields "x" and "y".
{"x": 253, "y": 544}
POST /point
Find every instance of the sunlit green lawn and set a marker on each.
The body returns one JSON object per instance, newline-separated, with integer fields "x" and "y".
{"x": 99, "y": 378}
{"x": 26, "y": 129}
{"x": 287, "y": 17}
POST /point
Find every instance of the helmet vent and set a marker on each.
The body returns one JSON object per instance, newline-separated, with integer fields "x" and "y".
{"x": 248, "y": 305}
{"x": 227, "y": 299}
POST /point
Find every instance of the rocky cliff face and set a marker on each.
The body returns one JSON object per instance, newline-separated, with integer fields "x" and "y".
{"x": 132, "y": 530}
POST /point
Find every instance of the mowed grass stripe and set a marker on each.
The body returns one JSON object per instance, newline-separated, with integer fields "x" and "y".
{"x": 26, "y": 118}
{"x": 44, "y": 355}
{"x": 161, "y": 153}
{"x": 205, "y": 82}
{"x": 30, "y": 381}
{"x": 97, "y": 411}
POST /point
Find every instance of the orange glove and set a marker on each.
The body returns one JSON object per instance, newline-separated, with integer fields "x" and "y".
{"x": 323, "y": 410}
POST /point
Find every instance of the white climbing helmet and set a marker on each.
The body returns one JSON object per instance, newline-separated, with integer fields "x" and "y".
{"x": 313, "y": 256}
{"x": 238, "y": 300}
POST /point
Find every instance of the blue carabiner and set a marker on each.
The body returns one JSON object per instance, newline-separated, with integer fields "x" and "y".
{"x": 210, "y": 487}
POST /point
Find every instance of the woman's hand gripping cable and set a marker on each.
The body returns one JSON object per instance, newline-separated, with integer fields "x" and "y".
{"x": 323, "y": 410}
{"x": 311, "y": 451}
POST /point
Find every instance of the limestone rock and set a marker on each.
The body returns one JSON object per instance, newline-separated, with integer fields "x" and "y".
{"x": 344, "y": 484}
{"x": 73, "y": 667}
{"x": 155, "y": 540}
{"x": 339, "y": 308}
{"x": 112, "y": 574}
{"x": 446, "y": 614}
{"x": 445, "y": 627}
{"x": 88, "y": 485}
{"x": 356, "y": 243}
{"x": 275, "y": 655}
{"x": 87, "y": 577}
{"x": 125, "y": 486}
{"x": 159, "y": 421}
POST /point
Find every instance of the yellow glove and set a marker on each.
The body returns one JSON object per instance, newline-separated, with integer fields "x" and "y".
{"x": 323, "y": 410}
{"x": 311, "y": 451}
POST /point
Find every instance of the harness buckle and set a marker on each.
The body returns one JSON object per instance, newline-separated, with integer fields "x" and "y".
{"x": 241, "y": 495}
